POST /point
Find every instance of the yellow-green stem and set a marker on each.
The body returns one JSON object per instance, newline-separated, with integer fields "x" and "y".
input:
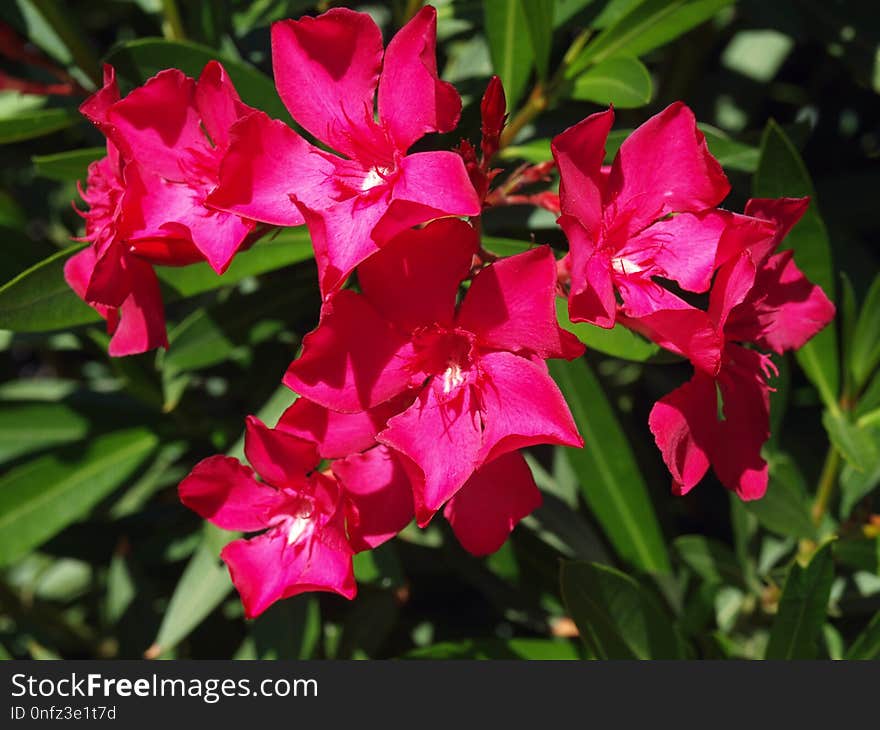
{"x": 172, "y": 26}
{"x": 827, "y": 483}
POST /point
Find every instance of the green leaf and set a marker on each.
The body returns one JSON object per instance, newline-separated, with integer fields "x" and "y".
{"x": 42, "y": 497}
{"x": 288, "y": 630}
{"x": 202, "y": 586}
{"x": 622, "y": 81}
{"x": 798, "y": 625}
{"x": 616, "y": 617}
{"x": 785, "y": 508}
{"x": 505, "y": 246}
{"x": 36, "y": 124}
{"x": 540, "y": 649}
{"x": 781, "y": 173}
{"x": 645, "y": 27}
{"x": 855, "y": 484}
{"x": 865, "y": 354}
{"x": 140, "y": 59}
{"x": 609, "y": 476}
{"x": 67, "y": 166}
{"x": 713, "y": 561}
{"x": 857, "y": 445}
{"x": 867, "y": 645}
{"x": 29, "y": 427}
{"x": 565, "y": 10}
{"x": 861, "y": 554}
{"x": 39, "y": 300}
{"x": 539, "y": 24}
{"x": 618, "y": 341}
{"x": 512, "y": 57}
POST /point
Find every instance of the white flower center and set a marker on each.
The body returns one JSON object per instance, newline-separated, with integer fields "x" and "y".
{"x": 625, "y": 266}
{"x": 375, "y": 177}
{"x": 452, "y": 378}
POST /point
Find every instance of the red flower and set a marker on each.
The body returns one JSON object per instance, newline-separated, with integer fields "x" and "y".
{"x": 302, "y": 545}
{"x": 651, "y": 214}
{"x": 327, "y": 70}
{"x": 758, "y": 297}
{"x": 477, "y": 373}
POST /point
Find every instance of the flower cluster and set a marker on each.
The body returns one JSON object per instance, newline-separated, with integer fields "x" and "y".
{"x": 419, "y": 387}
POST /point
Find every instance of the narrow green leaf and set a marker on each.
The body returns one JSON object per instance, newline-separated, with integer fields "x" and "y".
{"x": 40, "y": 498}
{"x": 138, "y": 60}
{"x": 802, "y": 609}
{"x": 67, "y": 166}
{"x": 857, "y": 445}
{"x": 645, "y": 27}
{"x": 539, "y": 24}
{"x": 785, "y": 508}
{"x": 565, "y": 10}
{"x": 540, "y": 649}
{"x": 617, "y": 342}
{"x": 202, "y": 586}
{"x": 861, "y": 554}
{"x": 781, "y": 173}
{"x": 622, "y": 81}
{"x": 288, "y": 630}
{"x": 865, "y": 354}
{"x": 610, "y": 478}
{"x": 29, "y": 427}
{"x": 855, "y": 485}
{"x": 205, "y": 581}
{"x": 713, "y": 561}
{"x": 512, "y": 55}
{"x": 616, "y": 617}
{"x": 867, "y": 645}
{"x": 28, "y": 125}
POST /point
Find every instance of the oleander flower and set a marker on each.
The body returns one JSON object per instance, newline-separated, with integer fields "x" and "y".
{"x": 475, "y": 371}
{"x": 759, "y": 298}
{"x": 651, "y": 215}
{"x": 329, "y": 71}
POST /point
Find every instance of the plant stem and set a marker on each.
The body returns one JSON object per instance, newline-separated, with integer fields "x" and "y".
{"x": 542, "y": 96}
{"x": 172, "y": 26}
{"x": 827, "y": 482}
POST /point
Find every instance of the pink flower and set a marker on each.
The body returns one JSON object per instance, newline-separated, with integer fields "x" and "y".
{"x": 377, "y": 494}
{"x": 758, "y": 297}
{"x": 651, "y": 214}
{"x": 327, "y": 70}
{"x": 476, "y": 371}
{"x": 146, "y": 198}
{"x": 302, "y": 545}
{"x": 177, "y": 129}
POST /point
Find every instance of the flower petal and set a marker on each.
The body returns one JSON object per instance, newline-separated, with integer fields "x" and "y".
{"x": 681, "y": 248}
{"x": 783, "y": 213}
{"x": 95, "y": 107}
{"x": 579, "y": 152}
{"x": 430, "y": 185}
{"x": 732, "y": 285}
{"x": 267, "y": 162}
{"x": 281, "y": 459}
{"x": 521, "y": 406}
{"x": 783, "y": 310}
{"x": 511, "y": 305}
{"x": 224, "y": 491}
{"x": 326, "y": 70}
{"x": 218, "y": 103}
{"x": 663, "y": 167}
{"x": 354, "y": 360}
{"x": 378, "y": 495}
{"x": 684, "y": 424}
{"x": 141, "y": 325}
{"x": 441, "y": 435}
{"x": 265, "y": 569}
{"x": 414, "y": 279}
{"x": 487, "y": 508}
{"x": 736, "y": 454}
{"x": 157, "y": 124}
{"x": 591, "y": 298}
{"x": 413, "y": 101}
